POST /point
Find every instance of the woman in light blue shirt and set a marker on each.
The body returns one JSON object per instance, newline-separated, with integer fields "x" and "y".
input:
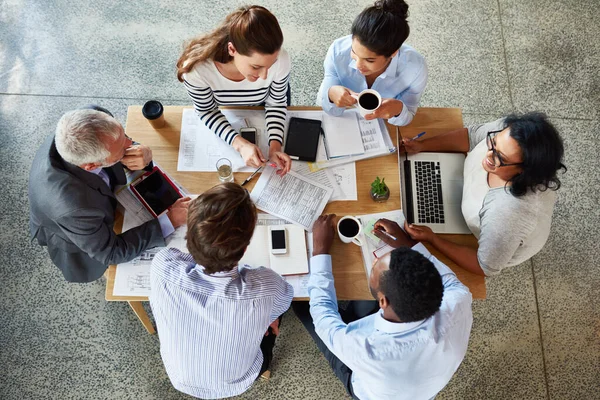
{"x": 375, "y": 57}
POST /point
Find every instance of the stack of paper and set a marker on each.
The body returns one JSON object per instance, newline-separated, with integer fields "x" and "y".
{"x": 376, "y": 142}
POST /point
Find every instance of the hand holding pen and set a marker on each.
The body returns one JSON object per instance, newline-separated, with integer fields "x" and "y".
{"x": 248, "y": 179}
{"x": 413, "y": 146}
{"x": 391, "y": 233}
{"x": 418, "y": 136}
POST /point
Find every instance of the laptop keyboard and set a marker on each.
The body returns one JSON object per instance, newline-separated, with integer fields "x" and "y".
{"x": 430, "y": 203}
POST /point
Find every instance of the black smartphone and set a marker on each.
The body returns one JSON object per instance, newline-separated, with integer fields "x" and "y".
{"x": 249, "y": 134}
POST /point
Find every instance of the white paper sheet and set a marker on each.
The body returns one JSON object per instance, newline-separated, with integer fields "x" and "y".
{"x": 295, "y": 198}
{"x": 371, "y": 134}
{"x": 324, "y": 176}
{"x": 200, "y": 148}
{"x": 133, "y": 278}
{"x": 345, "y": 177}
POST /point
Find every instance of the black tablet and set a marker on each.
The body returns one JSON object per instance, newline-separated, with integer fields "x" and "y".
{"x": 156, "y": 191}
{"x": 303, "y": 139}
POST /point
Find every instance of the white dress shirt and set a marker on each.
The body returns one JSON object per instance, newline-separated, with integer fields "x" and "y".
{"x": 391, "y": 360}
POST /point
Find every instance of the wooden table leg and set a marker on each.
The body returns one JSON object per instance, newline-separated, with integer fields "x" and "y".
{"x": 138, "y": 309}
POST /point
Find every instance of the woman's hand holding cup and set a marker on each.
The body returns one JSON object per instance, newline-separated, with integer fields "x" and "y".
{"x": 341, "y": 96}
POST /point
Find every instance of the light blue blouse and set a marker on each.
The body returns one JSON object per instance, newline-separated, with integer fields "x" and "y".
{"x": 404, "y": 79}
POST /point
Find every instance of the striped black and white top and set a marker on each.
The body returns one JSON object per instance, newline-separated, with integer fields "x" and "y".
{"x": 209, "y": 89}
{"x": 210, "y": 326}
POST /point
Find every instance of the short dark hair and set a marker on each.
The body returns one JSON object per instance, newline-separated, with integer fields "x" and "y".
{"x": 412, "y": 285}
{"x": 542, "y": 150}
{"x": 220, "y": 224}
{"x": 382, "y": 28}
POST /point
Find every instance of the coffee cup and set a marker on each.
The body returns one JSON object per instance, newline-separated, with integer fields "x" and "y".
{"x": 368, "y": 101}
{"x": 153, "y": 112}
{"x": 349, "y": 229}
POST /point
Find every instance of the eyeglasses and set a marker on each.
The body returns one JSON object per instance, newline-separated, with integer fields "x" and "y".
{"x": 491, "y": 145}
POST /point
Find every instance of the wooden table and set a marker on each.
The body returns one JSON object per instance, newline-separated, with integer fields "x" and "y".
{"x": 348, "y": 268}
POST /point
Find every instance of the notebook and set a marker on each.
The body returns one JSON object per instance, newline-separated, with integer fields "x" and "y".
{"x": 303, "y": 139}
{"x": 342, "y": 135}
{"x": 294, "y": 262}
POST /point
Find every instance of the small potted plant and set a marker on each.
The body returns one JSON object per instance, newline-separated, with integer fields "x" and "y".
{"x": 379, "y": 190}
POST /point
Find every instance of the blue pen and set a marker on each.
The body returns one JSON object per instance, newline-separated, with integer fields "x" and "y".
{"x": 418, "y": 136}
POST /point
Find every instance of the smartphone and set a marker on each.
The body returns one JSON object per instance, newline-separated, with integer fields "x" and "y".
{"x": 278, "y": 240}
{"x": 249, "y": 134}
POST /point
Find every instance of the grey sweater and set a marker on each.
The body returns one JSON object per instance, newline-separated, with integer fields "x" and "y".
{"x": 510, "y": 229}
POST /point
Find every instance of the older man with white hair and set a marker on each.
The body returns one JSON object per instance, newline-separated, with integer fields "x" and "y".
{"x": 72, "y": 205}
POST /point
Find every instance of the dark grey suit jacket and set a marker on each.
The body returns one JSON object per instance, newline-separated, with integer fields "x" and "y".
{"x": 72, "y": 212}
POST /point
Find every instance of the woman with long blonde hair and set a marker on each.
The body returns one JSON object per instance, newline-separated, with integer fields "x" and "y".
{"x": 241, "y": 63}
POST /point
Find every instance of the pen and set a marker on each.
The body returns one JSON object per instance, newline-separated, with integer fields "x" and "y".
{"x": 325, "y": 143}
{"x": 248, "y": 179}
{"x": 418, "y": 136}
{"x": 384, "y": 232}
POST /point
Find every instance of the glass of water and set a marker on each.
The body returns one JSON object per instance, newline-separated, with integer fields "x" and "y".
{"x": 224, "y": 170}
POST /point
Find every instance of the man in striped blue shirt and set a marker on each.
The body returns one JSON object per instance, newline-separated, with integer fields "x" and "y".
{"x": 415, "y": 340}
{"x": 216, "y": 320}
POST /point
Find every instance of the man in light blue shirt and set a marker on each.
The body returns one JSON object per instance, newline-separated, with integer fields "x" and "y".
{"x": 412, "y": 346}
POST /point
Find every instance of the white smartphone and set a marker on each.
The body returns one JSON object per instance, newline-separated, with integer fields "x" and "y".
{"x": 278, "y": 240}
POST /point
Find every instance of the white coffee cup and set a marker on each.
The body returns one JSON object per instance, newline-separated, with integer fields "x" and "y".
{"x": 368, "y": 104}
{"x": 351, "y": 230}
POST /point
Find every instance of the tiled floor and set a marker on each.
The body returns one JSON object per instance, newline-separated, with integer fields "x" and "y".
{"x": 537, "y": 335}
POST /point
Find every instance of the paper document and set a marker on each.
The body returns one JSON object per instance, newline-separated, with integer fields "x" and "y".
{"x": 293, "y": 197}
{"x": 133, "y": 278}
{"x": 324, "y": 176}
{"x": 200, "y": 148}
{"x": 371, "y": 134}
{"x": 345, "y": 177}
{"x": 134, "y": 209}
{"x": 372, "y": 242}
{"x": 343, "y": 135}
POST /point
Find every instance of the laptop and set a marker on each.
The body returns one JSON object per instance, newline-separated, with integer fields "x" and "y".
{"x": 432, "y": 185}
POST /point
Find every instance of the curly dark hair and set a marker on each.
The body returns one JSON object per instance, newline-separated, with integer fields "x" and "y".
{"x": 220, "y": 224}
{"x": 542, "y": 150}
{"x": 382, "y": 28}
{"x": 412, "y": 285}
